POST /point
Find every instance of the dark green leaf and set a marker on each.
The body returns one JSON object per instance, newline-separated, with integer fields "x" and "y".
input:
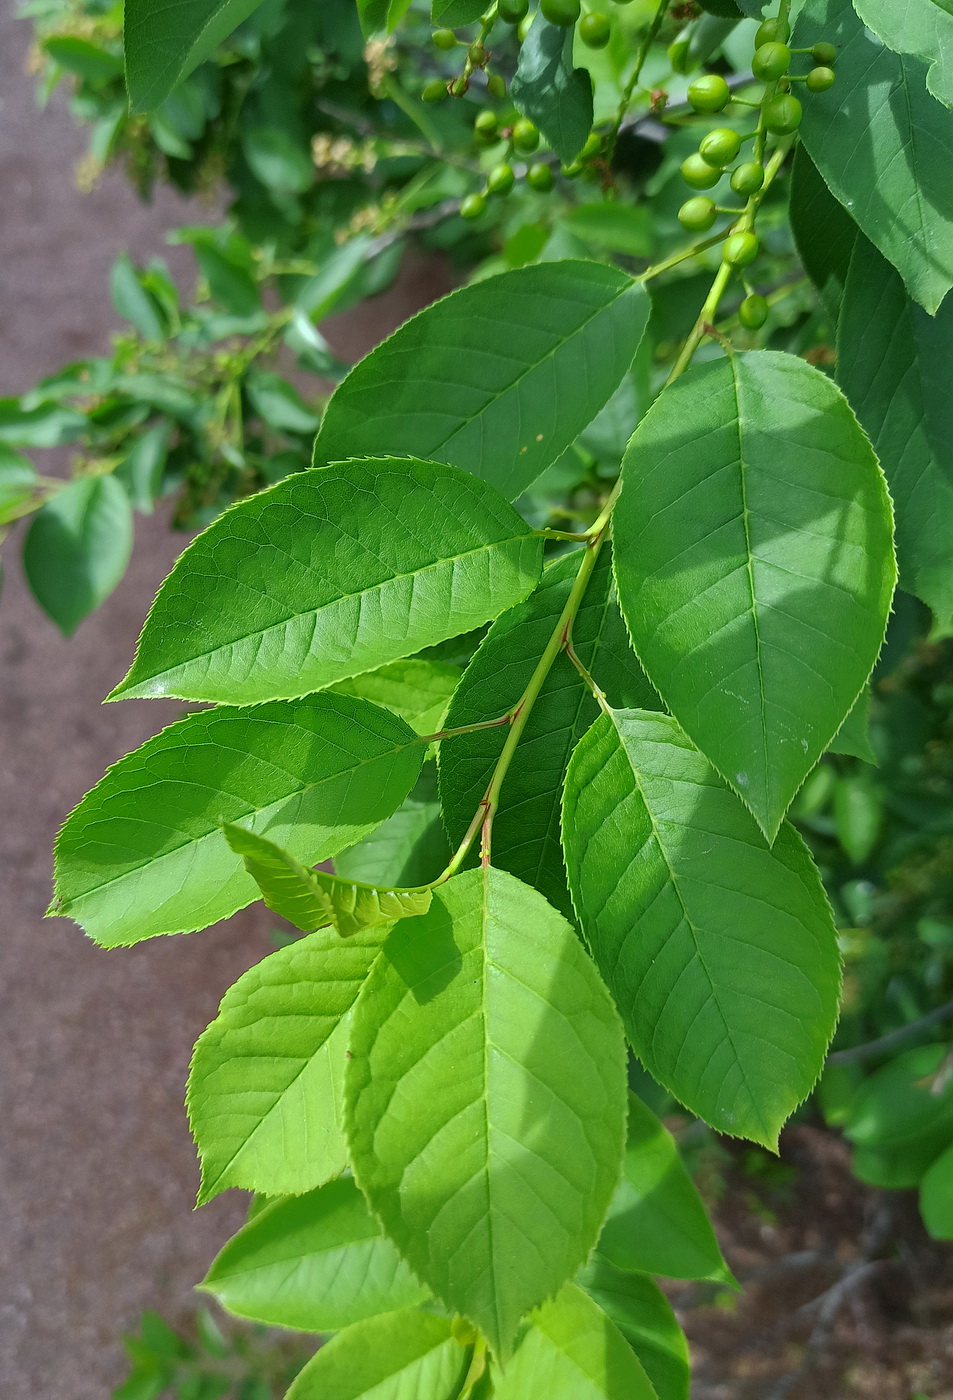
{"x": 936, "y": 1197}
{"x": 720, "y": 951}
{"x": 884, "y": 145}
{"x": 498, "y": 378}
{"x": 526, "y": 832}
{"x": 166, "y": 39}
{"x": 400, "y": 1356}
{"x": 644, "y": 1316}
{"x": 486, "y": 1098}
{"x": 823, "y": 230}
{"x": 265, "y": 1093}
{"x": 892, "y": 362}
{"x": 316, "y": 1262}
{"x": 455, "y": 13}
{"x": 86, "y": 60}
{"x": 231, "y": 284}
{"x": 377, "y": 15}
{"x": 853, "y": 737}
{"x": 550, "y": 91}
{"x": 622, "y": 228}
{"x": 898, "y": 1125}
{"x": 143, "y": 852}
{"x": 77, "y": 549}
{"x": 328, "y": 575}
{"x": 754, "y": 559}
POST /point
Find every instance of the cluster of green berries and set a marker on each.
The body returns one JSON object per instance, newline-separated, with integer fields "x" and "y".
{"x": 523, "y": 137}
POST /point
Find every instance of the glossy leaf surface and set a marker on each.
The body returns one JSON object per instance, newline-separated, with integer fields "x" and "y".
{"x": 720, "y": 951}
{"x": 77, "y": 548}
{"x": 573, "y": 1351}
{"x": 526, "y": 827}
{"x": 644, "y": 1316}
{"x": 884, "y": 145}
{"x": 317, "y": 1262}
{"x": 265, "y": 1089}
{"x": 550, "y": 91}
{"x": 329, "y": 574}
{"x": 395, "y": 1357}
{"x": 311, "y": 899}
{"x": 143, "y": 853}
{"x": 891, "y": 364}
{"x": 498, "y": 378}
{"x": 754, "y": 560}
{"x": 486, "y": 1098}
{"x": 165, "y": 40}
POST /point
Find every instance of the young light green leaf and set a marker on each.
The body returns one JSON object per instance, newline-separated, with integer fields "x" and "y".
{"x": 265, "y": 1088}
{"x": 897, "y": 1124}
{"x": 498, "y": 378}
{"x": 891, "y": 364}
{"x": 164, "y": 40}
{"x": 644, "y": 1316}
{"x": 920, "y": 27}
{"x": 573, "y": 1351}
{"x": 884, "y": 145}
{"x": 312, "y": 899}
{"x": 329, "y": 574}
{"x": 720, "y": 951}
{"x": 401, "y": 1356}
{"x": 316, "y": 1262}
{"x": 419, "y": 691}
{"x": 410, "y": 848}
{"x": 486, "y": 1098}
{"x": 143, "y": 853}
{"x": 936, "y": 1197}
{"x": 550, "y": 91}
{"x": 657, "y": 1223}
{"x": 754, "y": 561}
{"x": 77, "y": 548}
{"x": 526, "y": 826}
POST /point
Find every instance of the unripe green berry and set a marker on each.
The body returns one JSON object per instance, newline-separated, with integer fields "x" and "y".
{"x": 824, "y": 54}
{"x": 477, "y": 55}
{"x": 740, "y": 249}
{"x": 709, "y": 93}
{"x": 678, "y": 55}
{"x": 698, "y": 214}
{"x": 435, "y": 91}
{"x": 699, "y": 174}
{"x": 592, "y": 147}
{"x": 748, "y": 178}
{"x": 720, "y": 147}
{"x": 486, "y": 124}
{"x": 595, "y": 30}
{"x": 473, "y": 206}
{"x": 496, "y": 86}
{"x": 772, "y": 31}
{"x": 820, "y": 79}
{"x": 444, "y": 38}
{"x": 771, "y": 61}
{"x": 512, "y": 11}
{"x": 561, "y": 12}
{"x": 782, "y": 114}
{"x": 539, "y": 177}
{"x": 525, "y": 135}
{"x": 753, "y": 312}
{"x": 500, "y": 179}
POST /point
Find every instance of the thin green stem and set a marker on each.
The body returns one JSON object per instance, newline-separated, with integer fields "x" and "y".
{"x": 648, "y": 40}
{"x": 466, "y": 729}
{"x": 548, "y": 534}
{"x": 683, "y": 255}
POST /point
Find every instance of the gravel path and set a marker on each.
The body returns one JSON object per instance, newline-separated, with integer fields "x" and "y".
{"x": 97, "y": 1170}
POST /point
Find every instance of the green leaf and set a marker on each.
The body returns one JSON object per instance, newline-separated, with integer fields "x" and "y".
{"x": 719, "y": 950}
{"x": 498, "y": 378}
{"x": 399, "y": 1356}
{"x": 755, "y": 565}
{"x": 644, "y": 1316}
{"x": 454, "y": 14}
{"x": 133, "y": 302}
{"x": 622, "y": 228}
{"x": 884, "y": 145}
{"x": 824, "y": 232}
{"x": 328, "y": 574}
{"x": 853, "y": 737}
{"x": 891, "y": 365}
{"x": 230, "y": 282}
{"x": 48, "y": 424}
{"x": 858, "y": 815}
{"x": 419, "y": 691}
{"x": 18, "y": 482}
{"x": 526, "y": 826}
{"x": 897, "y": 1124}
{"x": 657, "y": 1223}
{"x": 143, "y": 852}
{"x": 279, "y": 403}
{"x": 312, "y": 899}
{"x": 265, "y": 1093}
{"x": 86, "y": 60}
{"x": 486, "y": 1098}
{"x": 141, "y": 471}
{"x": 936, "y": 1197}
{"x": 165, "y": 40}
{"x": 409, "y": 848}
{"x": 316, "y": 1262}
{"x": 920, "y": 27}
{"x": 377, "y": 15}
{"x": 573, "y": 1351}
{"x": 77, "y": 548}
{"x": 550, "y": 91}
